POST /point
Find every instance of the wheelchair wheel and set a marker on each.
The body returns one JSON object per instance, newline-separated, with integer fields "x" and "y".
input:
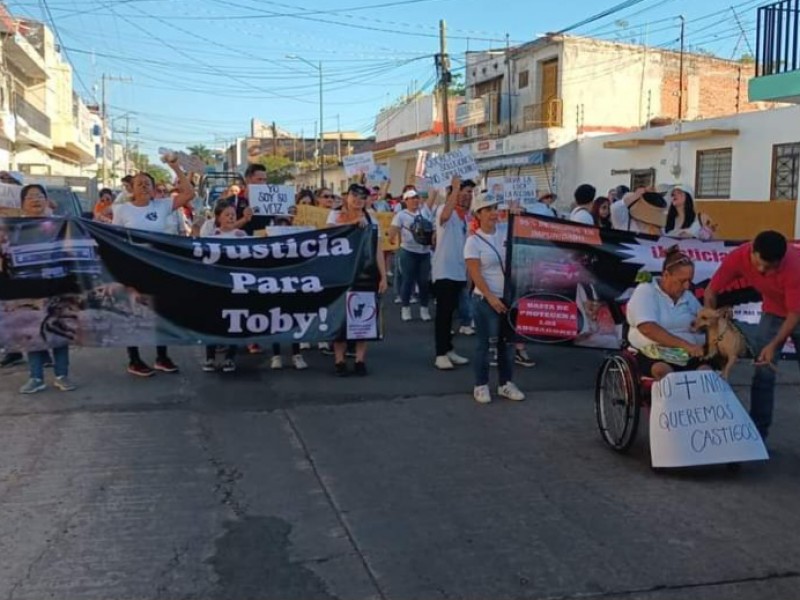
{"x": 617, "y": 403}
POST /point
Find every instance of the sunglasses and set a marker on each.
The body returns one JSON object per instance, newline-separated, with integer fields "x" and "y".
{"x": 326, "y": 196}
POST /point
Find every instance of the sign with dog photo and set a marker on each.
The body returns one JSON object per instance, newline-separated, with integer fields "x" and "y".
{"x": 569, "y": 283}
{"x": 696, "y": 419}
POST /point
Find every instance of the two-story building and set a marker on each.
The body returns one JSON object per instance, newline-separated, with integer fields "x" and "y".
{"x": 526, "y": 103}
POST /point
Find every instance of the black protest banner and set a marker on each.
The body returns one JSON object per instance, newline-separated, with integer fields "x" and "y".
{"x": 84, "y": 283}
{"x": 569, "y": 283}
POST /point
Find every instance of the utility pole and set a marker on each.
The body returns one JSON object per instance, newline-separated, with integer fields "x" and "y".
{"x": 680, "y": 76}
{"x": 508, "y": 70}
{"x": 274, "y": 139}
{"x": 103, "y": 122}
{"x": 443, "y": 66}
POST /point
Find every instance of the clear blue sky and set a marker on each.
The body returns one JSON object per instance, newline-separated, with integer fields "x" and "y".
{"x": 202, "y": 68}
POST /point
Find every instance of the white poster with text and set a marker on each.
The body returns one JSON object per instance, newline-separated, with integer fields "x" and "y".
{"x": 358, "y": 164}
{"x": 440, "y": 170}
{"x": 9, "y": 195}
{"x": 271, "y": 200}
{"x": 696, "y": 419}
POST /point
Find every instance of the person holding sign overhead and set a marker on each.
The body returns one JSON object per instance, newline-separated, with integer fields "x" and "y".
{"x": 146, "y": 213}
{"x": 661, "y": 315}
{"x": 772, "y": 267}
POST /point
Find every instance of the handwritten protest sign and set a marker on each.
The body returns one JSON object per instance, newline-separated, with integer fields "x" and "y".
{"x": 696, "y": 419}
{"x": 269, "y": 200}
{"x": 9, "y": 195}
{"x": 378, "y": 175}
{"x": 440, "y": 170}
{"x": 358, "y": 164}
{"x": 521, "y": 190}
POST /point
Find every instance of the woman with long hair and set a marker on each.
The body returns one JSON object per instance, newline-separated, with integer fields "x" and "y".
{"x": 682, "y": 220}
{"x": 601, "y": 211}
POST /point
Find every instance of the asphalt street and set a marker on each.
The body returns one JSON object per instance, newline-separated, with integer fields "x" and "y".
{"x": 270, "y": 485}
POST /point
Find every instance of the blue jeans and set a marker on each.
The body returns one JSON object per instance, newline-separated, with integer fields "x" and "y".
{"x": 762, "y": 389}
{"x": 416, "y": 269}
{"x": 488, "y": 330}
{"x": 60, "y": 362}
{"x": 466, "y": 308}
{"x": 398, "y": 275}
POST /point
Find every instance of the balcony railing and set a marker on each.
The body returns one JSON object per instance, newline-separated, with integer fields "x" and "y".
{"x": 777, "y": 36}
{"x": 543, "y": 114}
{"x": 35, "y": 118}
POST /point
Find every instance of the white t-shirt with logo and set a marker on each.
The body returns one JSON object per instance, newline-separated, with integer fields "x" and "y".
{"x": 153, "y": 217}
{"x": 448, "y": 257}
{"x": 650, "y": 304}
{"x": 490, "y": 250}
{"x": 403, "y": 221}
{"x": 581, "y": 214}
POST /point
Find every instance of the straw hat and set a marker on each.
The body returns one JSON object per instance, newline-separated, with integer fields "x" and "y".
{"x": 651, "y": 209}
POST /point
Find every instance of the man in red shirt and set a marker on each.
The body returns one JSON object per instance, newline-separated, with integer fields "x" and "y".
{"x": 772, "y": 267}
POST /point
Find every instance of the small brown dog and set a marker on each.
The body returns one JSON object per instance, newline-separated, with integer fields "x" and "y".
{"x": 723, "y": 338}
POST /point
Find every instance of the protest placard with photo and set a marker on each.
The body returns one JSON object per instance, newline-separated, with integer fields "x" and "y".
{"x": 378, "y": 176}
{"x": 358, "y": 164}
{"x": 189, "y": 163}
{"x": 271, "y": 200}
{"x": 440, "y": 170}
{"x": 696, "y": 419}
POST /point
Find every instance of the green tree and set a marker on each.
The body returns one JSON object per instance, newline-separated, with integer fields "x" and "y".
{"x": 279, "y": 168}
{"x": 203, "y": 153}
{"x": 457, "y": 85}
{"x": 160, "y": 174}
{"x": 747, "y": 59}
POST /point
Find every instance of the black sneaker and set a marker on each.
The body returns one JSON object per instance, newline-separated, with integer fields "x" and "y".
{"x": 166, "y": 365}
{"x": 522, "y": 358}
{"x": 12, "y": 359}
{"x": 140, "y": 369}
{"x": 341, "y": 369}
{"x": 360, "y": 369}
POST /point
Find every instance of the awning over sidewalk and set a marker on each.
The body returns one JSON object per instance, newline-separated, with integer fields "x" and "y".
{"x": 538, "y": 157}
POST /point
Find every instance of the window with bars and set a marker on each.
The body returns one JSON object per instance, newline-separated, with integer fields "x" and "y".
{"x": 785, "y": 171}
{"x": 713, "y": 178}
{"x": 642, "y": 178}
{"x": 523, "y": 79}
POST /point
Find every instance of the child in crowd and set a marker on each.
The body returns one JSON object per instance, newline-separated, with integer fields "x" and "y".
{"x": 224, "y": 227}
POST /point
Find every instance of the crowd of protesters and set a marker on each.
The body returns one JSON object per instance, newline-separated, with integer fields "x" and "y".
{"x": 451, "y": 254}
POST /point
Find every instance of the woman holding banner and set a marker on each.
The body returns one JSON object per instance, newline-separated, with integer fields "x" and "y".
{"x": 354, "y": 212}
{"x": 484, "y": 254}
{"x": 34, "y": 205}
{"x": 146, "y": 213}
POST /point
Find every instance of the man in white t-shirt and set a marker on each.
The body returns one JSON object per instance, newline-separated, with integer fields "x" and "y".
{"x": 584, "y": 197}
{"x": 449, "y": 269}
{"x": 146, "y": 213}
{"x": 415, "y": 230}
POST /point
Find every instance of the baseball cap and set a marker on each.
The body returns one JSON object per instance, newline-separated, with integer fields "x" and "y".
{"x": 358, "y": 190}
{"x": 685, "y": 188}
{"x": 410, "y": 194}
{"x": 483, "y": 200}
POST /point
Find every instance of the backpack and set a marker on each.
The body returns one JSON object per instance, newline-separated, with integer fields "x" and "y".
{"x": 422, "y": 231}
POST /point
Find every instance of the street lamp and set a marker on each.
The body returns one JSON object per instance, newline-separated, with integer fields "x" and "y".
{"x": 321, "y": 139}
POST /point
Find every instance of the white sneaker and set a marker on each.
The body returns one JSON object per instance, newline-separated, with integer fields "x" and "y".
{"x": 276, "y": 363}
{"x": 299, "y": 362}
{"x": 398, "y": 300}
{"x": 457, "y": 359}
{"x": 510, "y": 391}
{"x": 466, "y": 330}
{"x": 305, "y": 346}
{"x": 424, "y": 313}
{"x": 405, "y": 313}
{"x": 443, "y": 363}
{"x": 481, "y": 394}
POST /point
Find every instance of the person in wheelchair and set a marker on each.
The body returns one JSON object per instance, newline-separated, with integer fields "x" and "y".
{"x": 660, "y": 314}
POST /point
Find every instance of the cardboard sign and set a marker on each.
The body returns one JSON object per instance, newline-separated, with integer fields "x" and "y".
{"x": 189, "y": 164}
{"x": 440, "y": 170}
{"x": 271, "y": 200}
{"x": 378, "y": 175}
{"x": 358, "y": 164}
{"x": 696, "y": 419}
{"x": 312, "y": 216}
{"x": 385, "y": 223}
{"x": 9, "y": 195}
